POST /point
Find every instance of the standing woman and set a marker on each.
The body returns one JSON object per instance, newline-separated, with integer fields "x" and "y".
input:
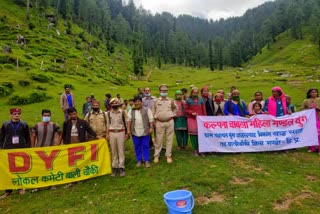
{"x": 218, "y": 104}
{"x": 313, "y": 102}
{"x": 235, "y": 105}
{"x": 257, "y": 98}
{"x": 180, "y": 122}
{"x": 194, "y": 106}
{"x": 276, "y": 105}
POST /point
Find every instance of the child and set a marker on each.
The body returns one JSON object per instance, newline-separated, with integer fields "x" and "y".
{"x": 257, "y": 108}
{"x": 290, "y": 107}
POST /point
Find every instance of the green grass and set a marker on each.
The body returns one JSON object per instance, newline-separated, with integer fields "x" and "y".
{"x": 237, "y": 183}
{"x": 243, "y": 183}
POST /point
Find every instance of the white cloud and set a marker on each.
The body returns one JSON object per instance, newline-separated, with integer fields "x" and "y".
{"x": 209, "y": 9}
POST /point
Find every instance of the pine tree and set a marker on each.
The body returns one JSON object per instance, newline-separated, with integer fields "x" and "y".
{"x": 211, "y": 59}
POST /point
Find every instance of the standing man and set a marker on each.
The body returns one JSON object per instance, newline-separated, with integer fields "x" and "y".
{"x": 43, "y": 134}
{"x": 164, "y": 110}
{"x": 148, "y": 100}
{"x": 117, "y": 137}
{"x": 14, "y": 134}
{"x": 107, "y": 102}
{"x": 67, "y": 101}
{"x": 86, "y": 107}
{"x": 97, "y": 120}
{"x": 140, "y": 92}
{"x": 75, "y": 129}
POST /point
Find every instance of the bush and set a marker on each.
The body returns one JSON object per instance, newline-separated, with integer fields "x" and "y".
{"x": 7, "y": 84}
{"x": 24, "y": 82}
{"x": 41, "y": 78}
{"x": 31, "y": 26}
{"x": 39, "y": 87}
{"x": 34, "y": 97}
{"x": 5, "y": 91}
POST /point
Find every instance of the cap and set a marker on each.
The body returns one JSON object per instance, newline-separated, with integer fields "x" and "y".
{"x": 178, "y": 92}
{"x": 114, "y": 100}
{"x": 15, "y": 110}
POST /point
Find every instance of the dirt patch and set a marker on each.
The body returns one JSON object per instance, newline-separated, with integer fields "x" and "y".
{"x": 215, "y": 197}
{"x": 246, "y": 165}
{"x": 312, "y": 178}
{"x": 285, "y": 203}
{"x": 241, "y": 181}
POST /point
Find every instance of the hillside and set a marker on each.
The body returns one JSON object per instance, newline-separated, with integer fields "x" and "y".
{"x": 52, "y": 57}
{"x": 288, "y": 54}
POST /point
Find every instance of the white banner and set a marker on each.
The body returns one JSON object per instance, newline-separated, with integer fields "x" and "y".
{"x": 258, "y": 133}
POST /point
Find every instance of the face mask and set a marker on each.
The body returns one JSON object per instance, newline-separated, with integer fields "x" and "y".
{"x": 178, "y": 98}
{"x": 217, "y": 100}
{"x": 46, "y": 119}
{"x": 195, "y": 96}
{"x": 235, "y": 97}
{"x": 163, "y": 94}
{"x": 95, "y": 109}
{"x": 115, "y": 107}
{"x": 147, "y": 95}
{"x": 138, "y": 105}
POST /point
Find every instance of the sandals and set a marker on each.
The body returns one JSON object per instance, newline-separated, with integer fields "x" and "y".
{"x": 21, "y": 191}
{"x": 4, "y": 195}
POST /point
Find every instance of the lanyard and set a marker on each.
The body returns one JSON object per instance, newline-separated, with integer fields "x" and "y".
{"x": 15, "y": 127}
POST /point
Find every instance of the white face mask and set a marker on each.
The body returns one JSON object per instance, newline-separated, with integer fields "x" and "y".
{"x": 147, "y": 95}
{"x": 46, "y": 119}
{"x": 163, "y": 94}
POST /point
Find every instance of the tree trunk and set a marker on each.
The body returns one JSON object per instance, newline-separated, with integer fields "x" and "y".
{"x": 28, "y": 10}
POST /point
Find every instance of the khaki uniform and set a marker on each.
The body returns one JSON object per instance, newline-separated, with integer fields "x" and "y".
{"x": 116, "y": 131}
{"x": 98, "y": 121}
{"x": 164, "y": 109}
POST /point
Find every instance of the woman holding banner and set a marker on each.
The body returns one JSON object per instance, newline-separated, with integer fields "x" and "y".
{"x": 313, "y": 102}
{"x": 194, "y": 106}
{"x": 276, "y": 105}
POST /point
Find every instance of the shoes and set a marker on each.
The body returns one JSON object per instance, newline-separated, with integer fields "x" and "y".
{"x": 169, "y": 159}
{"x": 147, "y": 164}
{"x": 122, "y": 173}
{"x": 21, "y": 192}
{"x": 6, "y": 194}
{"x": 195, "y": 153}
{"x": 178, "y": 148}
{"x": 68, "y": 185}
{"x": 53, "y": 188}
{"x": 202, "y": 154}
{"x": 114, "y": 172}
{"x": 156, "y": 159}
{"x": 138, "y": 164}
{"x": 34, "y": 190}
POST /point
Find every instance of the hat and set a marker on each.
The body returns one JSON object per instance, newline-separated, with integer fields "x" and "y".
{"x": 114, "y": 100}
{"x": 15, "y": 110}
{"x": 163, "y": 85}
{"x": 178, "y": 92}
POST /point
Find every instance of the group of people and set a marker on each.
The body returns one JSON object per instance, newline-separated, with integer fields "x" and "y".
{"x": 142, "y": 117}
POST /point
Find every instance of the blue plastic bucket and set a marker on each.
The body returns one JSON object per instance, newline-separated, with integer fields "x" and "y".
{"x": 179, "y": 201}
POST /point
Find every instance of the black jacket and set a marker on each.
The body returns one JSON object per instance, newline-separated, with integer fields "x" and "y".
{"x": 8, "y": 131}
{"x": 82, "y": 127}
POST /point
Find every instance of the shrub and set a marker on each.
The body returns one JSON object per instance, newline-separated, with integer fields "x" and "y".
{"x": 34, "y": 97}
{"x": 5, "y": 91}
{"x": 41, "y": 78}
{"x": 24, "y": 82}
{"x": 39, "y": 87}
{"x": 31, "y": 26}
{"x": 7, "y": 84}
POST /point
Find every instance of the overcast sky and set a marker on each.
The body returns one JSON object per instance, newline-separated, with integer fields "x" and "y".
{"x": 209, "y": 9}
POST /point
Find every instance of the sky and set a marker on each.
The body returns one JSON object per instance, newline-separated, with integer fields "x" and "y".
{"x": 207, "y": 9}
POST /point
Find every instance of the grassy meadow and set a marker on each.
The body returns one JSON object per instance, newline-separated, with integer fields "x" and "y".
{"x": 220, "y": 183}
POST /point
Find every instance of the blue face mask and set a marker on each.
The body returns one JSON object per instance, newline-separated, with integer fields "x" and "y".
{"x": 46, "y": 119}
{"x": 163, "y": 94}
{"x": 147, "y": 95}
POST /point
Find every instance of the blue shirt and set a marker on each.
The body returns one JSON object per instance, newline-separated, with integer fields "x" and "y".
{"x": 236, "y": 109}
{"x": 69, "y": 98}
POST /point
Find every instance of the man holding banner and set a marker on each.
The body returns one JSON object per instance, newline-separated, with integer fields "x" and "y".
{"x": 14, "y": 134}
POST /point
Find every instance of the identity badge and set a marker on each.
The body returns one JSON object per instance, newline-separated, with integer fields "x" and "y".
{"x": 15, "y": 139}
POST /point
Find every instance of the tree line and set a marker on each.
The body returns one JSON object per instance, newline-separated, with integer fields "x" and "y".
{"x": 187, "y": 40}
